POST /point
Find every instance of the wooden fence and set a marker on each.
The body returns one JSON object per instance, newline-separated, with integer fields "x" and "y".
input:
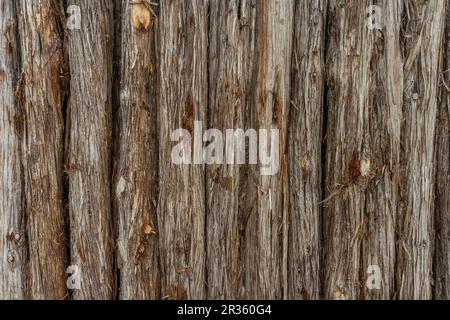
{"x": 93, "y": 207}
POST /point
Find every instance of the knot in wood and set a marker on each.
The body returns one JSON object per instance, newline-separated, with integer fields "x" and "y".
{"x": 141, "y": 17}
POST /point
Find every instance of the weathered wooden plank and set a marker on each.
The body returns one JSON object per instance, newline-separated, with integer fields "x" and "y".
{"x": 442, "y": 254}
{"x": 39, "y": 93}
{"x": 182, "y": 99}
{"x": 265, "y": 220}
{"x": 231, "y": 27}
{"x": 89, "y": 126}
{"x": 305, "y": 150}
{"x": 363, "y": 148}
{"x": 136, "y": 179}
{"x": 12, "y": 219}
{"x": 422, "y": 38}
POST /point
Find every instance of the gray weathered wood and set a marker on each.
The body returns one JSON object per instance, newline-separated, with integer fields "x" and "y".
{"x": 42, "y": 123}
{"x": 12, "y": 219}
{"x": 383, "y": 131}
{"x": 265, "y": 219}
{"x": 348, "y": 76}
{"x": 363, "y": 149}
{"x": 182, "y": 99}
{"x": 231, "y": 29}
{"x": 88, "y": 167}
{"x": 136, "y": 179}
{"x": 442, "y": 254}
{"x": 422, "y": 37}
{"x": 305, "y": 150}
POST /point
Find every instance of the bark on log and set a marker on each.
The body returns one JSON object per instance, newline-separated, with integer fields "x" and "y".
{"x": 231, "y": 30}
{"x": 136, "y": 178}
{"x": 12, "y": 219}
{"x": 89, "y": 126}
{"x": 265, "y": 244}
{"x": 383, "y": 139}
{"x": 225, "y": 231}
{"x": 422, "y": 37}
{"x": 442, "y": 254}
{"x": 182, "y": 98}
{"x": 305, "y": 150}
{"x": 39, "y": 93}
{"x": 348, "y": 73}
{"x": 363, "y": 142}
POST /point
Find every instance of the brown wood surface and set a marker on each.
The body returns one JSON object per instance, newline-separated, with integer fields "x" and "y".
{"x": 135, "y": 188}
{"x": 88, "y": 168}
{"x": 12, "y": 220}
{"x": 361, "y": 103}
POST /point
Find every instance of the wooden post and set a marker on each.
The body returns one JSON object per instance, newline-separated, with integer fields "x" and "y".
{"x": 136, "y": 177}
{"x": 12, "y": 220}
{"x": 442, "y": 254}
{"x": 423, "y": 39}
{"x": 40, "y": 96}
{"x": 364, "y": 79}
{"x": 232, "y": 27}
{"x": 89, "y": 159}
{"x": 305, "y": 150}
{"x": 182, "y": 99}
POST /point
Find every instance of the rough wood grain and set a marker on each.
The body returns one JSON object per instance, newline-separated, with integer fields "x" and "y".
{"x": 442, "y": 254}
{"x": 422, "y": 37}
{"x": 182, "y": 99}
{"x": 39, "y": 93}
{"x": 305, "y": 148}
{"x": 88, "y": 167}
{"x": 364, "y": 69}
{"x": 383, "y": 133}
{"x": 265, "y": 244}
{"x": 348, "y": 72}
{"x": 136, "y": 178}
{"x": 231, "y": 30}
{"x": 364, "y": 149}
{"x": 12, "y": 219}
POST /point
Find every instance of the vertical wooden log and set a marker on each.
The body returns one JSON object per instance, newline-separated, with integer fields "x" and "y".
{"x": 182, "y": 98}
{"x": 90, "y": 54}
{"x": 265, "y": 247}
{"x": 348, "y": 81}
{"x": 363, "y": 141}
{"x": 305, "y": 146}
{"x": 39, "y": 93}
{"x": 230, "y": 34}
{"x": 442, "y": 254}
{"x": 136, "y": 178}
{"x": 382, "y": 139}
{"x": 12, "y": 222}
{"x": 423, "y": 34}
